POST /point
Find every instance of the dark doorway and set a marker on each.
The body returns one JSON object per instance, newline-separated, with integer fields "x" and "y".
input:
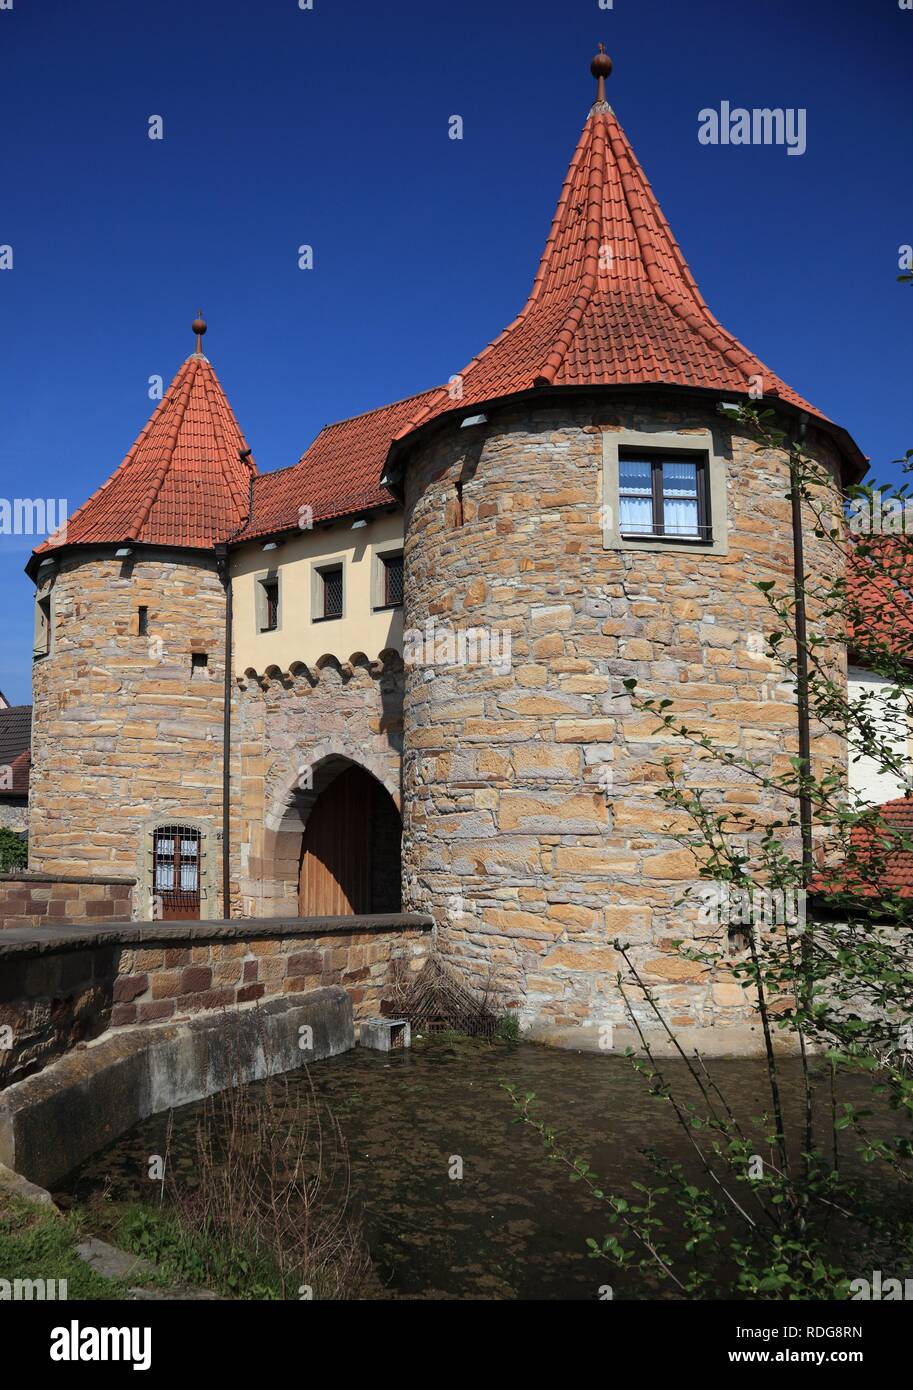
{"x": 350, "y": 855}
{"x": 176, "y": 874}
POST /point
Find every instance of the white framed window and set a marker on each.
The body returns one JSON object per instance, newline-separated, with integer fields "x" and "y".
{"x": 663, "y": 492}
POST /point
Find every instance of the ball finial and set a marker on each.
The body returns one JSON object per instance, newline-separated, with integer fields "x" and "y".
{"x": 199, "y": 325}
{"x": 601, "y": 65}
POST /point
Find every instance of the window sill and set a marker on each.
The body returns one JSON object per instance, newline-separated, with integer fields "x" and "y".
{"x": 386, "y": 607}
{"x": 634, "y": 536}
{"x": 329, "y": 618}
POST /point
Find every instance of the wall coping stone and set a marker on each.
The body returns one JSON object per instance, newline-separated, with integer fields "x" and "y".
{"x": 33, "y": 876}
{"x": 40, "y": 941}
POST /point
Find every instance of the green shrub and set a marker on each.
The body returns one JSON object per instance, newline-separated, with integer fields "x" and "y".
{"x": 14, "y": 852}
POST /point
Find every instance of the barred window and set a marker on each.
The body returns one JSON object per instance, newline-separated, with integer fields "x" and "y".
{"x": 332, "y": 592}
{"x": 176, "y": 853}
{"x": 393, "y": 579}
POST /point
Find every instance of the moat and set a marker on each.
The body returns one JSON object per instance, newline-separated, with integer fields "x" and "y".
{"x": 513, "y": 1226}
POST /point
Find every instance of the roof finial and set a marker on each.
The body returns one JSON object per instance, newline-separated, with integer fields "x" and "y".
{"x": 601, "y": 67}
{"x": 199, "y": 328}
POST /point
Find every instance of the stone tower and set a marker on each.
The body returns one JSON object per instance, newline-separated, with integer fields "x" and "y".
{"x": 129, "y": 666}
{"x": 578, "y": 509}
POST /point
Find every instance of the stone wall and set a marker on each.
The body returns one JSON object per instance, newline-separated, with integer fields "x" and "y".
{"x": 295, "y": 731}
{"x": 61, "y": 989}
{"x": 532, "y": 827}
{"x": 14, "y": 812}
{"x": 50, "y": 1123}
{"x": 30, "y": 899}
{"x": 126, "y": 733}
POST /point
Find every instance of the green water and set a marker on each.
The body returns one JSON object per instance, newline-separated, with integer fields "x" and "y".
{"x": 513, "y": 1226}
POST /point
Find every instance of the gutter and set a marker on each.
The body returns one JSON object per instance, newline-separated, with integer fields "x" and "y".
{"x": 854, "y": 463}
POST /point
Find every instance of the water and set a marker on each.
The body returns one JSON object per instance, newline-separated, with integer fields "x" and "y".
{"x": 514, "y": 1226}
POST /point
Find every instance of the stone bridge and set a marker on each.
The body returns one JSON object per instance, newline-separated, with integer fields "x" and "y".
{"x": 101, "y": 1026}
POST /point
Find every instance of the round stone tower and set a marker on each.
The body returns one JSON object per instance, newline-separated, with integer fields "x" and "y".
{"x": 129, "y": 665}
{"x": 580, "y": 513}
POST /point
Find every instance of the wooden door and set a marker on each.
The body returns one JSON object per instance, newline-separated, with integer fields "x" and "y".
{"x": 335, "y": 878}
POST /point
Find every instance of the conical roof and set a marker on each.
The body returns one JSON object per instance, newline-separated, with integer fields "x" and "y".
{"x": 613, "y": 302}
{"x": 183, "y": 484}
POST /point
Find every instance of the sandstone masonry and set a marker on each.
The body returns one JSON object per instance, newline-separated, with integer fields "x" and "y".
{"x": 532, "y": 829}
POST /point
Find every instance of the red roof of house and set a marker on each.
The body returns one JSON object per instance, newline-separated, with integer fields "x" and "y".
{"x": 880, "y": 597}
{"x": 613, "y": 302}
{"x": 15, "y": 754}
{"x": 182, "y": 484}
{"x": 881, "y": 865}
{"x": 338, "y": 475}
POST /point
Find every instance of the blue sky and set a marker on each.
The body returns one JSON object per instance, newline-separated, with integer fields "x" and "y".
{"x": 329, "y": 127}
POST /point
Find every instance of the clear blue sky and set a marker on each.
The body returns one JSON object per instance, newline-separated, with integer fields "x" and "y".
{"x": 285, "y": 126}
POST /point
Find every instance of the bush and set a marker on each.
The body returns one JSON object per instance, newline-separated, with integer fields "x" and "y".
{"x": 14, "y": 852}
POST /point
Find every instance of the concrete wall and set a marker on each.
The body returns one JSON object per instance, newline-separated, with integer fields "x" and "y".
{"x": 60, "y": 989}
{"x": 14, "y": 812}
{"x": 29, "y": 899}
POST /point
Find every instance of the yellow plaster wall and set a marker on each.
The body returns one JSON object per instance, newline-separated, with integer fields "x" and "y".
{"x": 299, "y": 638}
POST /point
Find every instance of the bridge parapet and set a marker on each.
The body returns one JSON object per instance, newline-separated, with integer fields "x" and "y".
{"x": 64, "y": 986}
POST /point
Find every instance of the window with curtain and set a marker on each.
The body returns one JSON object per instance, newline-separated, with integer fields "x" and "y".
{"x": 664, "y": 497}
{"x": 176, "y": 859}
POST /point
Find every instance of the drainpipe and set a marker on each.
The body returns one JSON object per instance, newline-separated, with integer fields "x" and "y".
{"x": 225, "y": 577}
{"x": 805, "y": 801}
{"x": 805, "y": 748}
{"x": 224, "y": 569}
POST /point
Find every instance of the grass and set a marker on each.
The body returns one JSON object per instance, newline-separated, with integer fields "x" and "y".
{"x": 182, "y": 1257}
{"x": 38, "y": 1242}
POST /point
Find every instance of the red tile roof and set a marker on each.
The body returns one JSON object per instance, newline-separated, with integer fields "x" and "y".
{"x": 881, "y": 863}
{"x": 19, "y": 781}
{"x": 880, "y": 598}
{"x": 338, "y": 475}
{"x": 15, "y": 741}
{"x": 183, "y": 482}
{"x": 613, "y": 302}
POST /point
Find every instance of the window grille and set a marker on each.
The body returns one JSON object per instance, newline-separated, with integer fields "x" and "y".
{"x": 176, "y": 855}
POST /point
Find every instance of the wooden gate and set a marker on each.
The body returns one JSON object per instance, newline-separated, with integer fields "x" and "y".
{"x": 338, "y": 874}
